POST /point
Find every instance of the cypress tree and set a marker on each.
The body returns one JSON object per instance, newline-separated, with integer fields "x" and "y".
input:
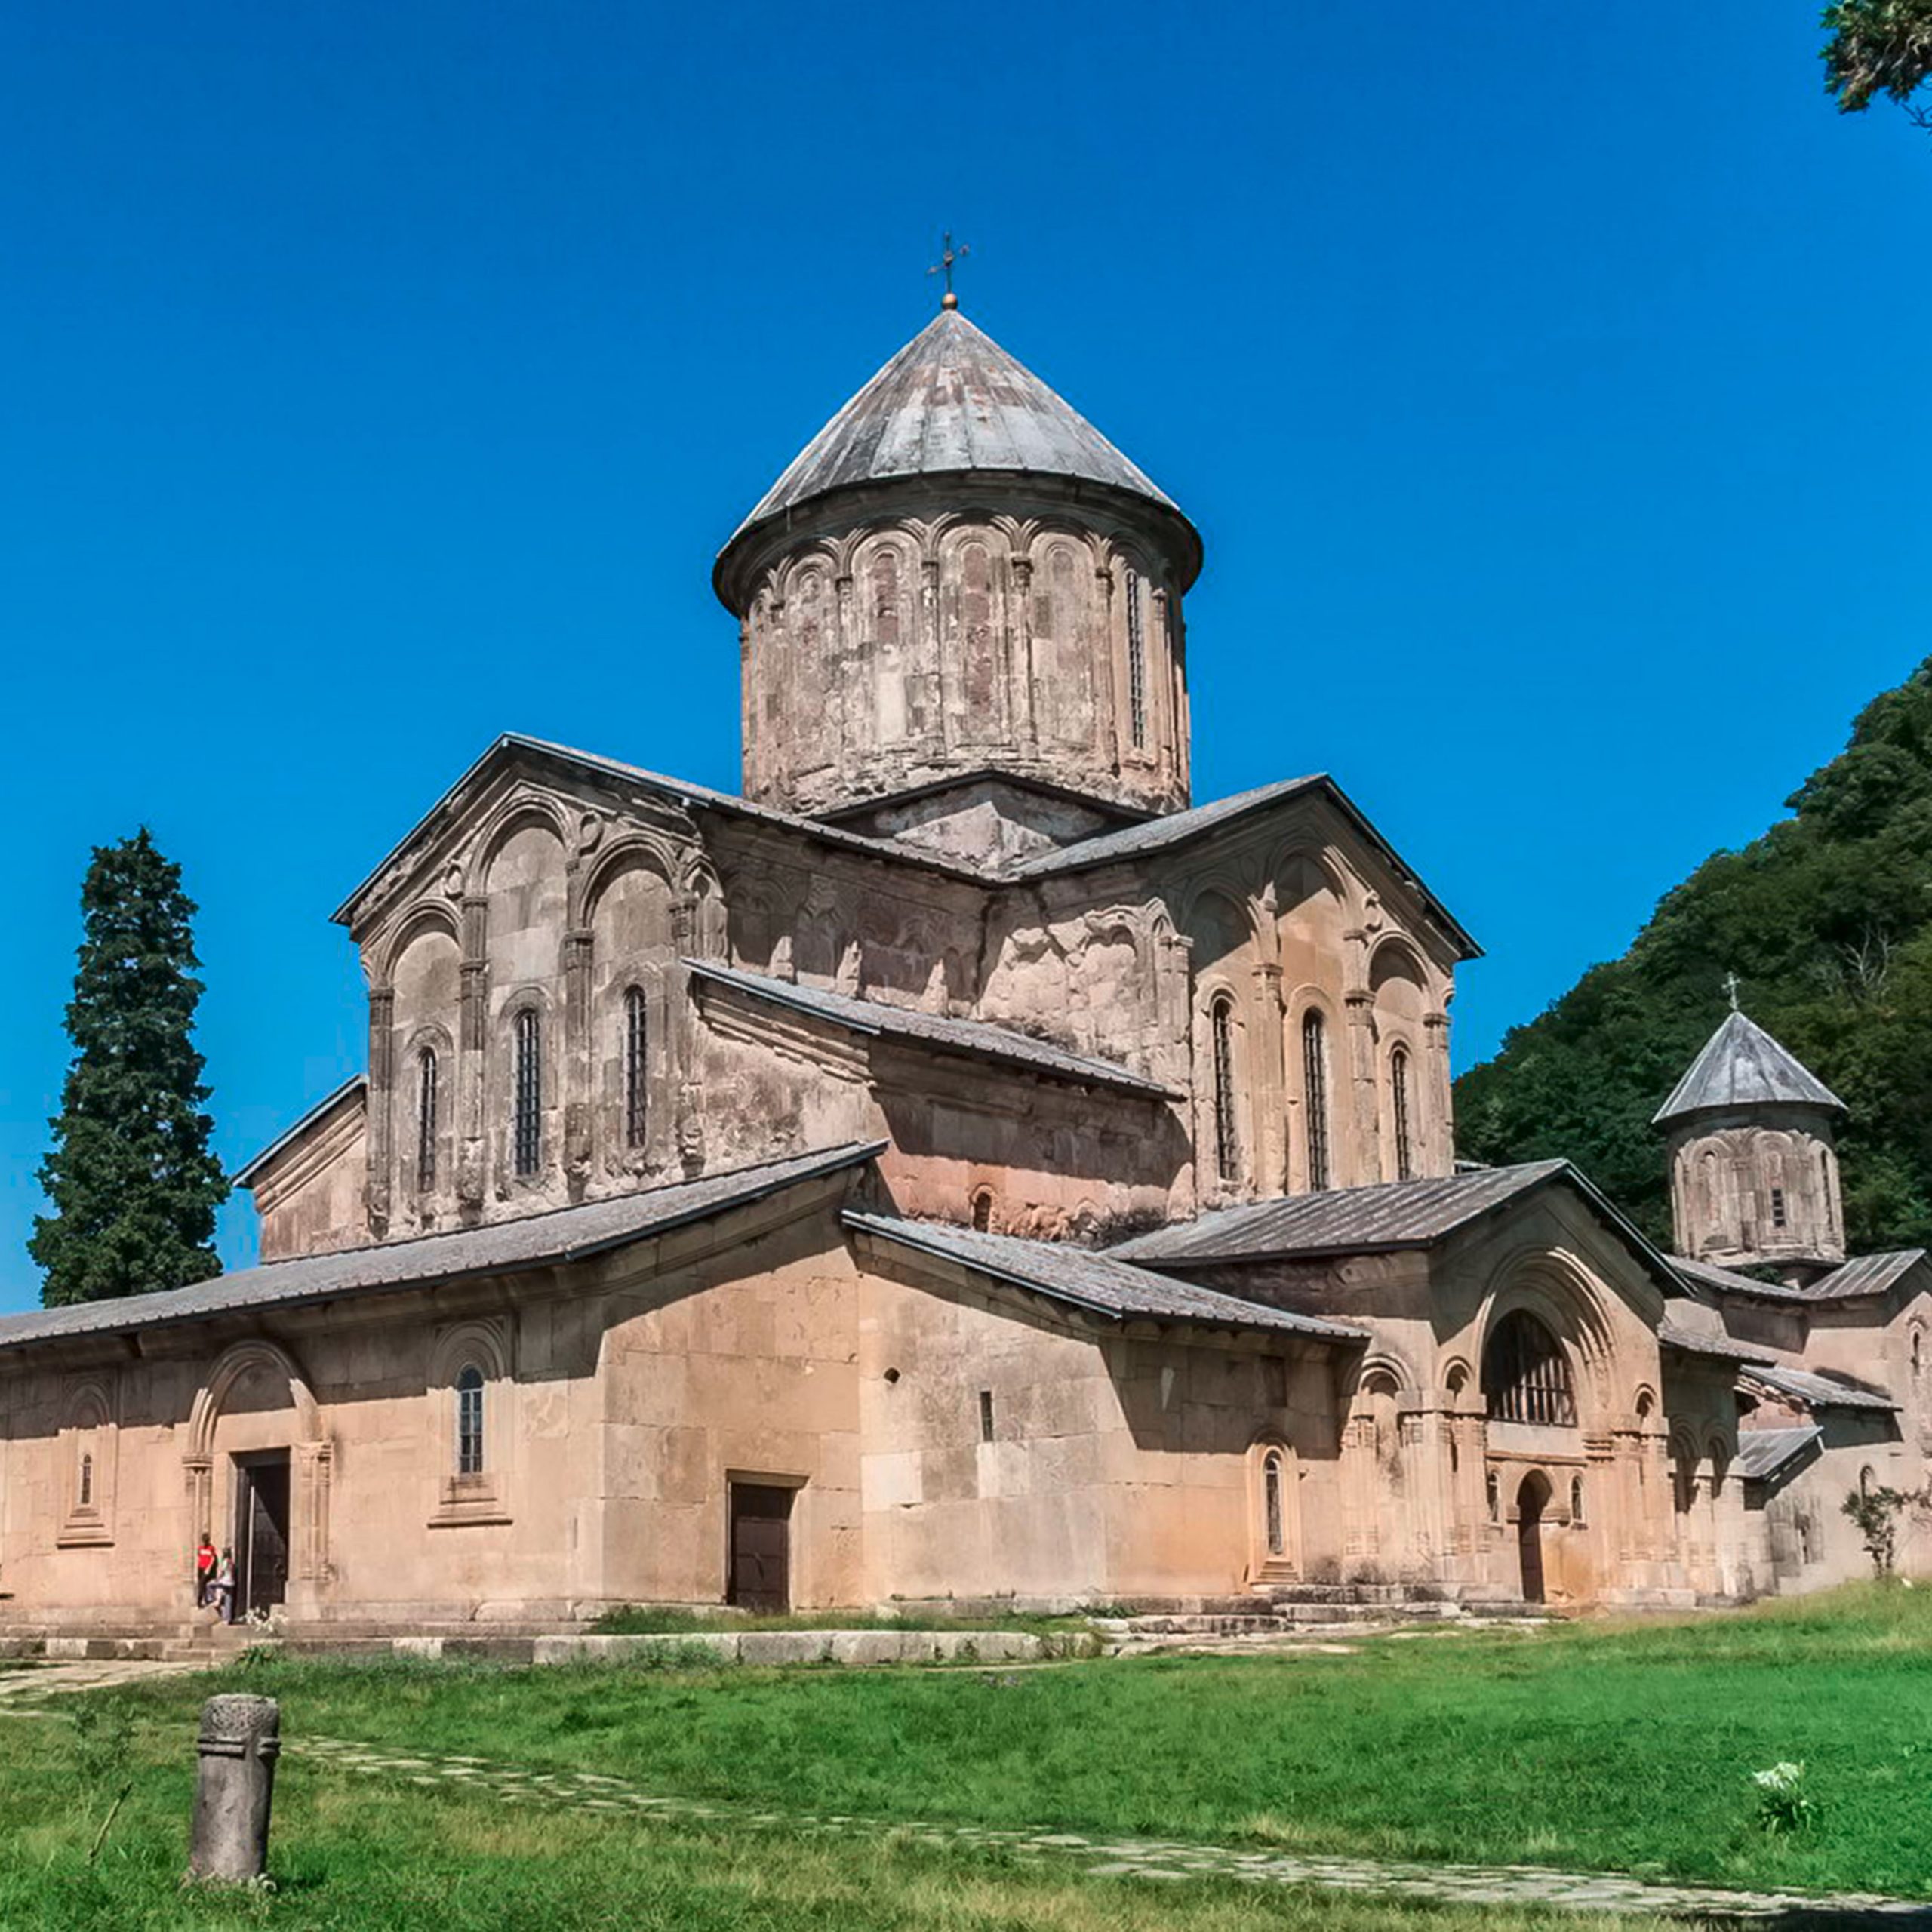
{"x": 134, "y": 1187}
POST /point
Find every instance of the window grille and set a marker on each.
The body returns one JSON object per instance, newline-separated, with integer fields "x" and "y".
{"x": 1777, "y": 1207}
{"x": 1314, "y": 1087}
{"x": 425, "y": 1120}
{"x": 469, "y": 1422}
{"x": 1271, "y": 1486}
{"x": 1526, "y": 1374}
{"x": 1221, "y": 1029}
{"x": 1137, "y": 662}
{"x": 86, "y": 1498}
{"x": 527, "y": 1125}
{"x": 636, "y": 1070}
{"x": 985, "y": 1415}
{"x": 1398, "y": 1102}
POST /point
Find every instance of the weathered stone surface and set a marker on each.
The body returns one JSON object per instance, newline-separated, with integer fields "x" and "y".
{"x": 240, "y": 1740}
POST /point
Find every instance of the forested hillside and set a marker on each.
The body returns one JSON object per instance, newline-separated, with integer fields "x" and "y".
{"x": 1827, "y": 921}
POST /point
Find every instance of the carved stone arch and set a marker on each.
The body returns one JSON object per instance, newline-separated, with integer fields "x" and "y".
{"x": 1397, "y": 948}
{"x": 426, "y": 915}
{"x": 1460, "y": 1381}
{"x": 1220, "y": 889}
{"x": 1381, "y": 1369}
{"x": 257, "y": 1355}
{"x": 1295, "y": 846}
{"x": 525, "y": 808}
{"x": 634, "y": 849}
{"x": 87, "y": 1403}
{"x": 820, "y": 556}
{"x": 1643, "y": 1401}
{"x": 1555, "y": 1289}
{"x": 482, "y": 1340}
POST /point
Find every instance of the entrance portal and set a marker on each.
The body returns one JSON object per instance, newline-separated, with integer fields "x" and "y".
{"x": 261, "y": 1530}
{"x": 761, "y": 1573}
{"x": 1531, "y": 1500}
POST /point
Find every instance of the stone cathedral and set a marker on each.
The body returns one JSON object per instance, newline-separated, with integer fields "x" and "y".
{"x": 961, "y": 1166}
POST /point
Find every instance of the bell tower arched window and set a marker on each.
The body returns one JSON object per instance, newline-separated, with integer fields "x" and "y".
{"x": 527, "y": 1109}
{"x": 1314, "y": 1093}
{"x": 1526, "y": 1375}
{"x": 1398, "y": 1114}
{"x": 636, "y": 1041}
{"x": 1221, "y": 1046}
{"x": 428, "y": 1106}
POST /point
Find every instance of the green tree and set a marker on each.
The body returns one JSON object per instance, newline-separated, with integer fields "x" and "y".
{"x": 1878, "y": 47}
{"x": 1827, "y": 919}
{"x": 134, "y": 1187}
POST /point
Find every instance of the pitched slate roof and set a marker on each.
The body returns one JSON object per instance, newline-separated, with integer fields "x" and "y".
{"x": 1719, "y": 1348}
{"x": 1865, "y": 1275}
{"x": 1762, "y": 1453}
{"x": 952, "y": 400}
{"x": 355, "y": 1087}
{"x": 1819, "y": 1391}
{"x": 1172, "y": 828}
{"x": 1742, "y": 1066}
{"x": 976, "y": 1038}
{"x": 1096, "y": 1282}
{"x": 1725, "y": 1281}
{"x": 1395, "y": 1214}
{"x": 563, "y": 1234}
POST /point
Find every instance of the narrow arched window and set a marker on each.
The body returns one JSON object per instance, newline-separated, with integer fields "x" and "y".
{"x": 1137, "y": 662}
{"x": 1315, "y": 1092}
{"x": 983, "y": 1210}
{"x": 1398, "y": 1113}
{"x": 85, "y": 1497}
{"x": 1273, "y": 1513}
{"x": 469, "y": 1422}
{"x": 636, "y": 1070}
{"x": 1492, "y": 1496}
{"x": 1917, "y": 1354}
{"x": 1526, "y": 1375}
{"x": 1221, "y": 1046}
{"x": 427, "y": 1104}
{"x": 527, "y": 1115}
{"x": 1576, "y": 1521}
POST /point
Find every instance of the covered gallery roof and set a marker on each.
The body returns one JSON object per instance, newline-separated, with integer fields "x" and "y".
{"x": 1355, "y": 1220}
{"x": 563, "y": 1234}
{"x": 1763, "y": 1453}
{"x": 1742, "y": 1067}
{"x": 1818, "y": 1392}
{"x": 1097, "y": 1283}
{"x": 977, "y": 1039}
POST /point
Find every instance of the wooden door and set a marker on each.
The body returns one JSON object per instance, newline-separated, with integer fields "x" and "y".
{"x": 761, "y": 1572}
{"x": 261, "y": 1533}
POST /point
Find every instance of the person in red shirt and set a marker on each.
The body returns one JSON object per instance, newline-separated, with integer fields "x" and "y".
{"x": 204, "y": 1563}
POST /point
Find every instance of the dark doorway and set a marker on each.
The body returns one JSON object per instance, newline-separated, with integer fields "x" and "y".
{"x": 261, "y": 1531}
{"x": 761, "y": 1577}
{"x": 1531, "y": 1500}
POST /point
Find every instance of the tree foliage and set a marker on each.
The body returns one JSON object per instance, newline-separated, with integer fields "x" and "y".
{"x": 1877, "y": 47}
{"x": 1827, "y": 920}
{"x": 134, "y": 1187}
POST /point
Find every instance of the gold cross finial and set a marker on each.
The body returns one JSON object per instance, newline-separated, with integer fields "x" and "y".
{"x": 1731, "y": 987}
{"x": 949, "y": 254}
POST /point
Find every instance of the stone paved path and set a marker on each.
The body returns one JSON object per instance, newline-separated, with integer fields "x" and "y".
{"x": 1105, "y": 1856}
{"x": 23, "y": 1692}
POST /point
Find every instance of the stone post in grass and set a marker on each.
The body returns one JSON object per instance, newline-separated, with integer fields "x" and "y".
{"x": 241, "y": 1738}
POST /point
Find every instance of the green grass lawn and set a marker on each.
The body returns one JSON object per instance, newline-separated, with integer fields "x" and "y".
{"x": 1627, "y": 1746}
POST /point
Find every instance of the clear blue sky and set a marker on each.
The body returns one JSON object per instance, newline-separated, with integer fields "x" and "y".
{"x": 380, "y": 377}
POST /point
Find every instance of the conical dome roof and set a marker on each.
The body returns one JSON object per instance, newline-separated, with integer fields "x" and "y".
{"x": 953, "y": 400}
{"x": 1742, "y": 1067}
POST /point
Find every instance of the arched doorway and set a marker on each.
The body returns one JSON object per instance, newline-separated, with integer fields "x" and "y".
{"x": 1531, "y": 1501}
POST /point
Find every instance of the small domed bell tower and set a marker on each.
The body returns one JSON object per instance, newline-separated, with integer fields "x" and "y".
{"x": 1754, "y": 1171}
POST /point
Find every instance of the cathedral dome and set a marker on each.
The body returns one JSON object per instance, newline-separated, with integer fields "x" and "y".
{"x": 959, "y": 575}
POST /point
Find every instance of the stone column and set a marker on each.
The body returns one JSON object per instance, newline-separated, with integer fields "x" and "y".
{"x": 1364, "y": 1115}
{"x": 579, "y": 1063}
{"x": 1019, "y": 631}
{"x": 1440, "y": 1154}
{"x": 241, "y": 1738}
{"x": 382, "y": 1102}
{"x": 473, "y": 1055}
{"x": 1267, "y": 1073}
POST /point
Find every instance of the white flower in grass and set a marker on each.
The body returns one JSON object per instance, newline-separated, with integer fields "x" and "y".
{"x": 1786, "y": 1776}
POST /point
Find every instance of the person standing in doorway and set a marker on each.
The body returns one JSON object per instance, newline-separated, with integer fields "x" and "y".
{"x": 224, "y": 1586}
{"x": 206, "y": 1557}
